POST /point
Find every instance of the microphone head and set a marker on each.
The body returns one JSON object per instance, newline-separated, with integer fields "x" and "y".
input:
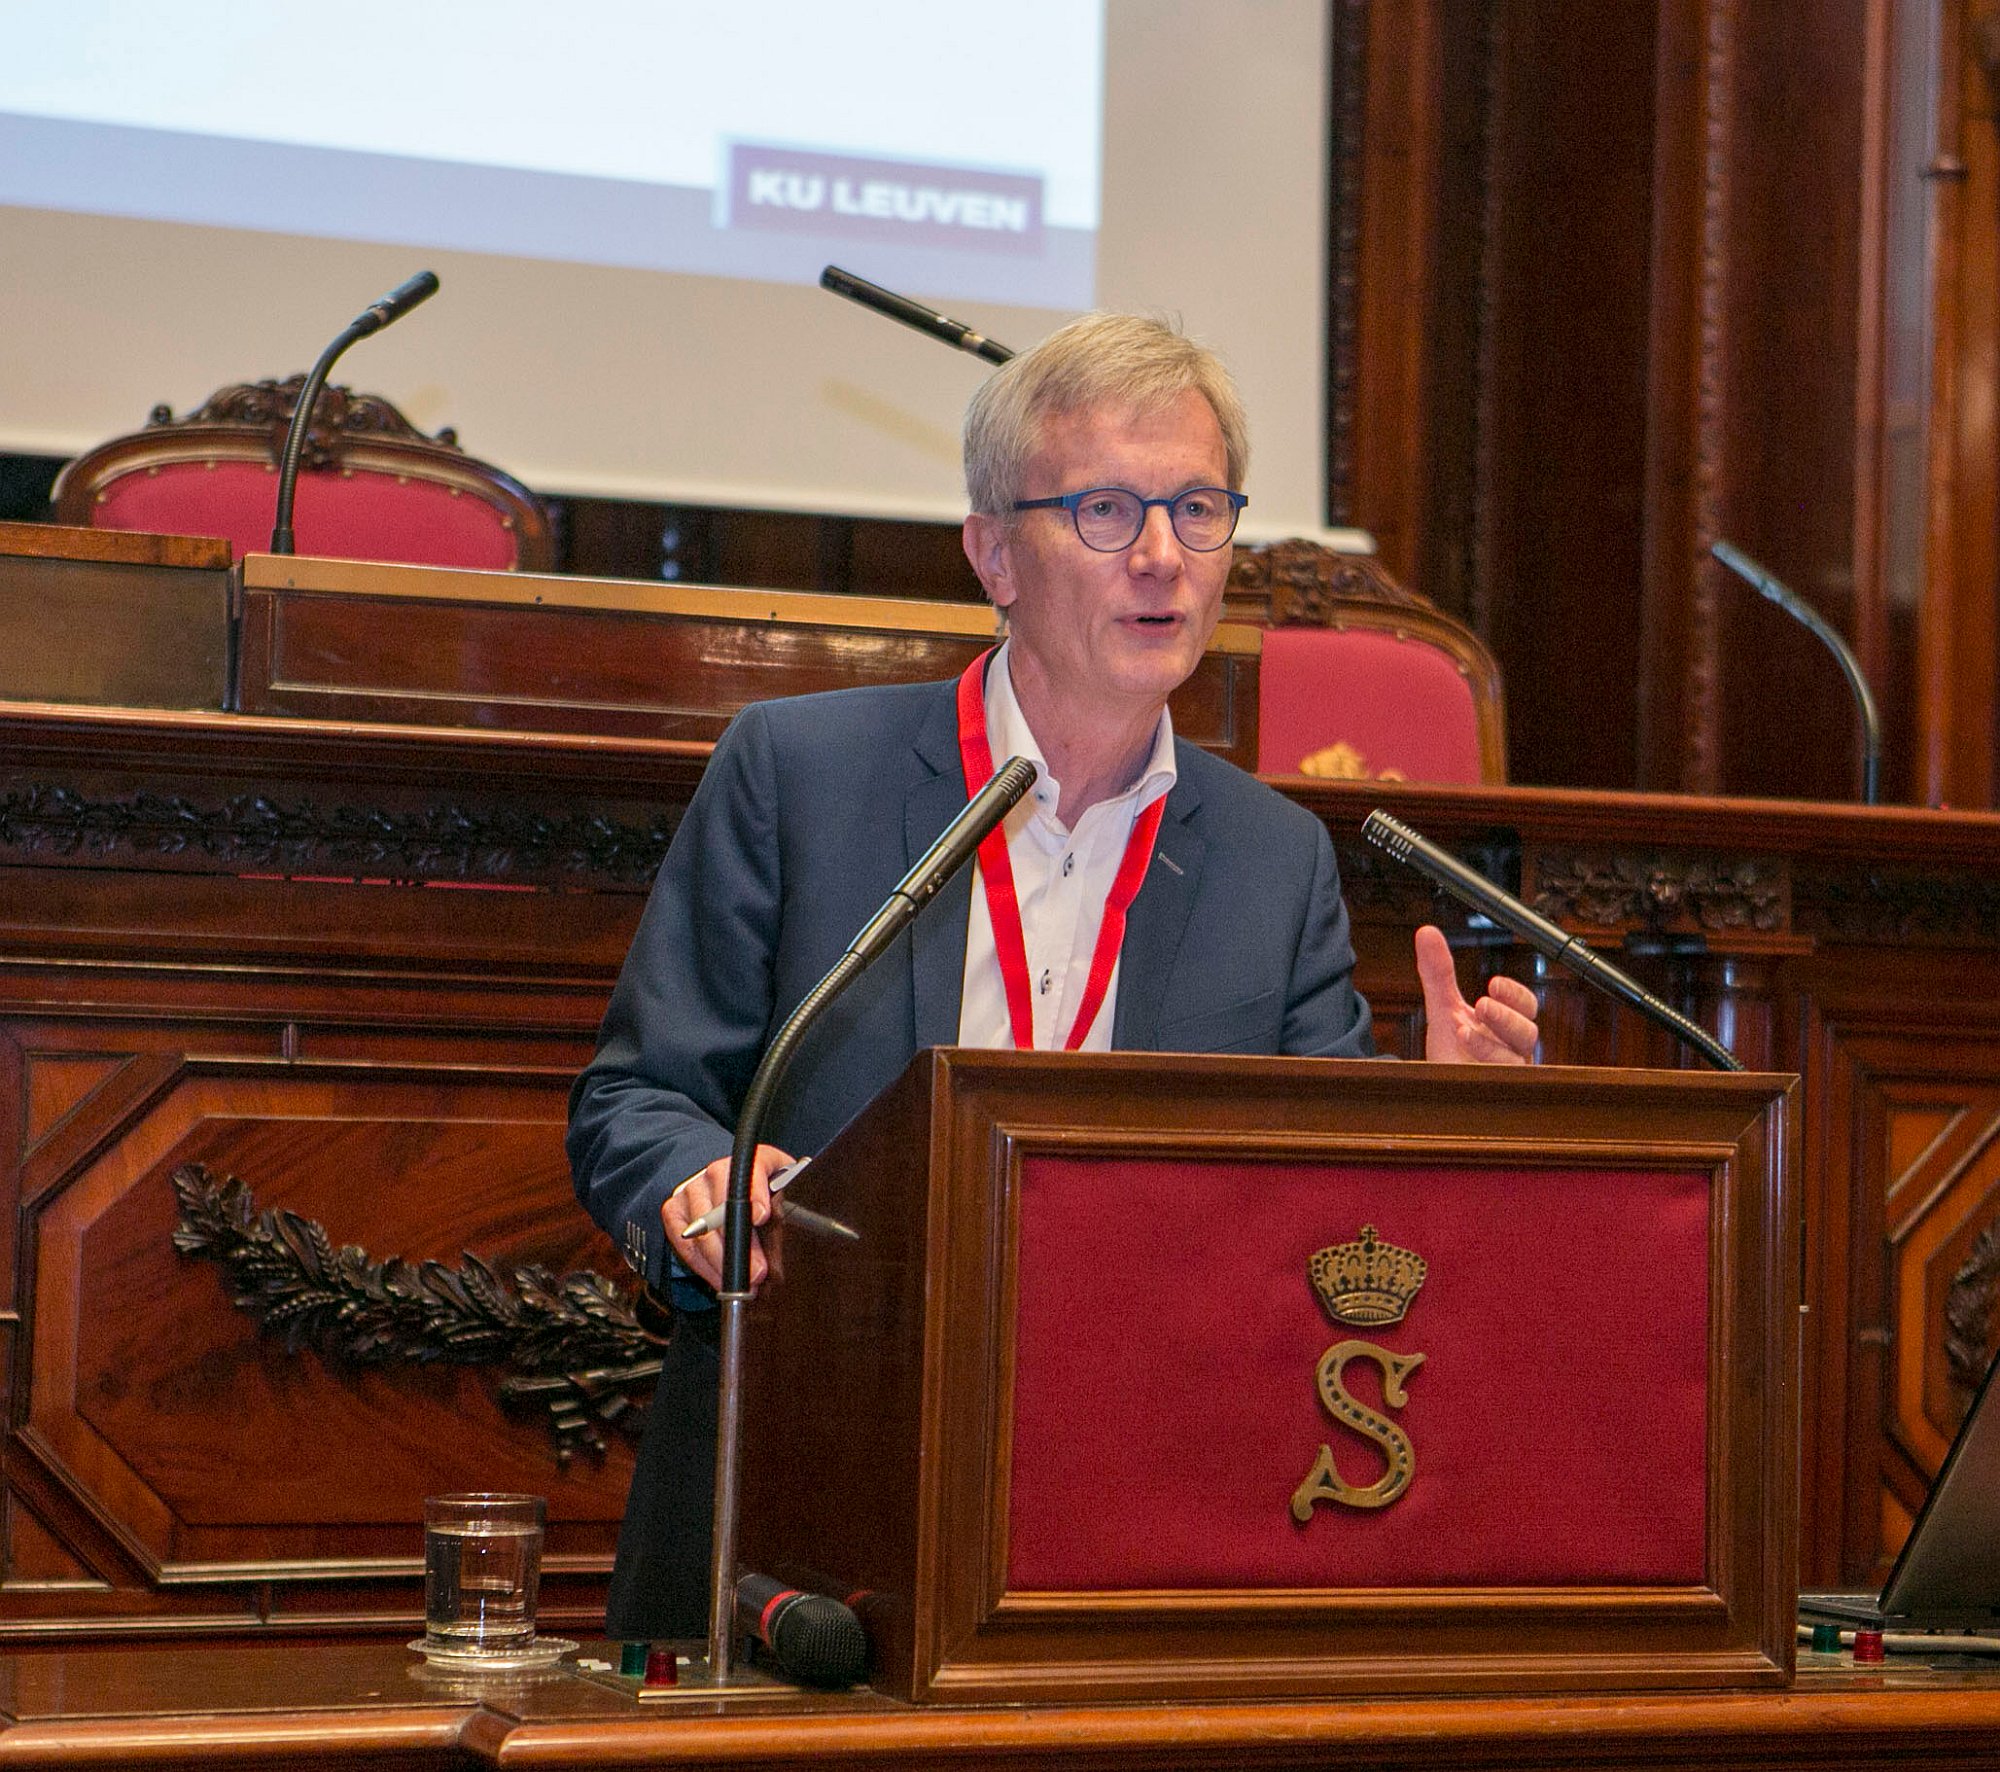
{"x": 819, "y": 1642}
{"x": 1014, "y": 778}
{"x": 1760, "y": 580}
{"x": 815, "y": 1640}
{"x": 1386, "y": 833}
{"x": 398, "y": 302}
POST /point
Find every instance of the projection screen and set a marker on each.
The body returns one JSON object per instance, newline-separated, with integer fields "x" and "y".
{"x": 629, "y": 203}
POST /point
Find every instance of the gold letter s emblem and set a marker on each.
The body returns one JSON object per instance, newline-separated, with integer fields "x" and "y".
{"x": 1324, "y": 1482}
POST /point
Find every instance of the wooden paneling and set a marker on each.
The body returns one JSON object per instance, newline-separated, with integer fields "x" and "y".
{"x": 1916, "y": 1238}
{"x": 164, "y": 1459}
{"x": 1788, "y": 361}
{"x": 1561, "y": 451}
{"x": 210, "y": 1457}
{"x": 1942, "y": 304}
{"x": 767, "y": 550}
{"x": 1610, "y": 284}
{"x": 132, "y": 623}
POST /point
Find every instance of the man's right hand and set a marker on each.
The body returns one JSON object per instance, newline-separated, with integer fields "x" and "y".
{"x": 703, "y": 1255}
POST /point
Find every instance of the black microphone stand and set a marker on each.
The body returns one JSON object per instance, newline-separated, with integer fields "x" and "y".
{"x": 1815, "y": 624}
{"x": 953, "y": 849}
{"x": 393, "y": 306}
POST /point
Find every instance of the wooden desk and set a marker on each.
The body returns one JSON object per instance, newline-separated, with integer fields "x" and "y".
{"x": 104, "y": 615}
{"x": 366, "y": 1705}
{"x": 343, "y": 640}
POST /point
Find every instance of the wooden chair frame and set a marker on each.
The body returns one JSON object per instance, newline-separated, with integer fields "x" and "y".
{"x": 1298, "y": 583}
{"x": 350, "y": 433}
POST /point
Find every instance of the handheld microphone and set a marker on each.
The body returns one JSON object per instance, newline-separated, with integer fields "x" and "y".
{"x": 1815, "y": 624}
{"x": 899, "y": 307}
{"x": 392, "y": 307}
{"x": 813, "y": 1639}
{"x": 1537, "y": 931}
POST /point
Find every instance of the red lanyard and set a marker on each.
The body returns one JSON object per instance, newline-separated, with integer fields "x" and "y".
{"x": 1003, "y": 906}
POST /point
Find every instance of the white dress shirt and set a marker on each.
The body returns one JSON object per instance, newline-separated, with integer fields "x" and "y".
{"x": 1061, "y": 880}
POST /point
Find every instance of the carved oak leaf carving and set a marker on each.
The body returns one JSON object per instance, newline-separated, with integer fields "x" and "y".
{"x": 1969, "y": 1308}
{"x": 1658, "y": 892}
{"x": 575, "y": 1345}
{"x": 339, "y": 413}
{"x": 429, "y": 842}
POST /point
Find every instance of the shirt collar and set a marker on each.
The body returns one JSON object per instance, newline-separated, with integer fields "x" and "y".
{"x": 1009, "y": 735}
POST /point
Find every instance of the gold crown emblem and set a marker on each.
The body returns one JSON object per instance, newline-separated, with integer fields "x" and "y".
{"x": 1365, "y": 1282}
{"x": 1341, "y": 761}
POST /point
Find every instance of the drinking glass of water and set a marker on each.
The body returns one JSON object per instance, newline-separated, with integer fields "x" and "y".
{"x": 482, "y": 1565}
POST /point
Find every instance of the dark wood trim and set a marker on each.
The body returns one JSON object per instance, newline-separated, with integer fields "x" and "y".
{"x": 350, "y": 433}
{"x": 1347, "y": 96}
{"x": 188, "y": 1710}
{"x": 59, "y": 541}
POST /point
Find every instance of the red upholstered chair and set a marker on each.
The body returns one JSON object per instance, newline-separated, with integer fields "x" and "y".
{"x": 372, "y": 486}
{"x": 1361, "y": 679}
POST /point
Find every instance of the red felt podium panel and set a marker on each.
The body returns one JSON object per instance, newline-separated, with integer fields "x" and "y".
{"x": 1553, "y": 1445}
{"x": 1055, "y": 1419}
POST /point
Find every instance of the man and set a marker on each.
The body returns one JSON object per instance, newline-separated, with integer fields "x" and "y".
{"x": 1150, "y": 896}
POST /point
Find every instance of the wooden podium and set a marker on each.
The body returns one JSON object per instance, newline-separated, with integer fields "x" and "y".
{"x": 1075, "y": 1419}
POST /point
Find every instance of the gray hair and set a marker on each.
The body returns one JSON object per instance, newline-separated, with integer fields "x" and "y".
{"x": 1109, "y": 360}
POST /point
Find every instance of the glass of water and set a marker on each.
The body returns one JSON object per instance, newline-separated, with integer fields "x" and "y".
{"x": 482, "y": 1565}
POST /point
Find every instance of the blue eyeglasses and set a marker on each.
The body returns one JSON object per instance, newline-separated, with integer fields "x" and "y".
{"x": 1109, "y": 518}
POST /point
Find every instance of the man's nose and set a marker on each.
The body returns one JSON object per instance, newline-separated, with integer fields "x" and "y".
{"x": 1157, "y": 548}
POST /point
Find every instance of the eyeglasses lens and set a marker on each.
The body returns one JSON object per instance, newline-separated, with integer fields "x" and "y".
{"x": 1203, "y": 519}
{"x": 1112, "y": 518}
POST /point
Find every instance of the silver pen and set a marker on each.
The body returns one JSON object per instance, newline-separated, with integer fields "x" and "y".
{"x": 712, "y": 1218}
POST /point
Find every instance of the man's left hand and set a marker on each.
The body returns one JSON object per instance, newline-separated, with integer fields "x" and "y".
{"x": 1498, "y": 1029}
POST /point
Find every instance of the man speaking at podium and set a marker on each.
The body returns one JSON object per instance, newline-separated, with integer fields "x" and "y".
{"x": 1154, "y": 897}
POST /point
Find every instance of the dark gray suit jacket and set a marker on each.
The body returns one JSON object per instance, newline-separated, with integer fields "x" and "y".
{"x": 810, "y": 812}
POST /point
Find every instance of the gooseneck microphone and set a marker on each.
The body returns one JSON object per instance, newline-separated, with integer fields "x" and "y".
{"x": 1815, "y": 624}
{"x": 1538, "y": 932}
{"x": 899, "y": 307}
{"x": 955, "y": 846}
{"x": 391, "y": 308}
{"x": 813, "y": 1639}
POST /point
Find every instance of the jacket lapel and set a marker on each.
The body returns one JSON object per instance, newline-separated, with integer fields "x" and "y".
{"x": 937, "y": 938}
{"x": 1157, "y": 922}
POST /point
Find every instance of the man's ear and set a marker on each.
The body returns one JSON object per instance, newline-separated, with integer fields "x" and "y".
{"x": 986, "y": 546}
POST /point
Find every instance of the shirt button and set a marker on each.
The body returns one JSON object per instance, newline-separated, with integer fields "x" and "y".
{"x": 1045, "y": 982}
{"x": 1069, "y": 861}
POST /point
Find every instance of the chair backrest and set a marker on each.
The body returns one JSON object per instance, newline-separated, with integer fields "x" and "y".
{"x": 1361, "y": 678}
{"x": 372, "y": 486}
